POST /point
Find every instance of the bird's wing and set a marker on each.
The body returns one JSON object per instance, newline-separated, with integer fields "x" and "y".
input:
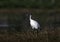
{"x": 36, "y": 23}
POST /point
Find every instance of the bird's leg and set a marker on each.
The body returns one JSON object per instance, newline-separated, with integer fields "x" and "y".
{"x": 39, "y": 29}
{"x": 32, "y": 31}
{"x": 36, "y": 31}
{"x": 32, "y": 28}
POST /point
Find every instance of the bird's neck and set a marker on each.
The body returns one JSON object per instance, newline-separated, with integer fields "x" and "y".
{"x": 30, "y": 17}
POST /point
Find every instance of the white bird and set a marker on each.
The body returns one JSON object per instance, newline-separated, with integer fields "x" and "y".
{"x": 34, "y": 24}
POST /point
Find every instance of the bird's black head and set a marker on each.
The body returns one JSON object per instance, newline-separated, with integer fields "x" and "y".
{"x": 28, "y": 14}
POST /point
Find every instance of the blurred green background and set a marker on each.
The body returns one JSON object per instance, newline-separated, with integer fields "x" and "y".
{"x": 29, "y": 3}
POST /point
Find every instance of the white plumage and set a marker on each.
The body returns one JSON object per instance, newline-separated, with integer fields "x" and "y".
{"x": 34, "y": 24}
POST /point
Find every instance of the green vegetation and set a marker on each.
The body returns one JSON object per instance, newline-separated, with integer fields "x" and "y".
{"x": 29, "y": 3}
